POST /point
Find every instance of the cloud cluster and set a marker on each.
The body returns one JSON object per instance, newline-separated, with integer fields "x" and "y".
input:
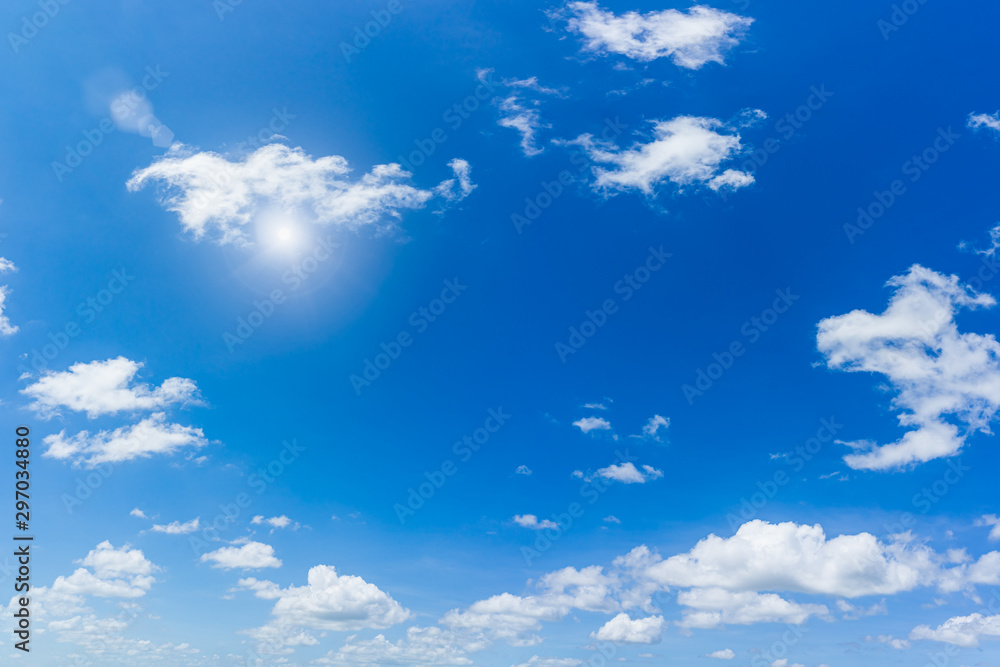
{"x": 209, "y": 192}
{"x": 689, "y": 38}
{"x": 249, "y": 556}
{"x": 102, "y": 388}
{"x": 683, "y": 151}
{"x": 940, "y": 375}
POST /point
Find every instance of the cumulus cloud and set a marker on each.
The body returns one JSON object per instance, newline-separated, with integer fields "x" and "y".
{"x": 536, "y": 661}
{"x": 990, "y": 121}
{"x": 153, "y": 435}
{"x": 940, "y": 375}
{"x": 963, "y": 631}
{"x": 994, "y": 522}
{"x": 250, "y": 556}
{"x": 690, "y": 39}
{"x": 275, "y": 521}
{"x": 522, "y": 470}
{"x": 588, "y": 424}
{"x": 627, "y": 473}
{"x": 330, "y": 602}
{"x": 625, "y": 630}
{"x": 178, "y": 528}
{"x": 684, "y": 151}
{"x": 724, "y": 654}
{"x": 211, "y": 193}
{"x": 531, "y": 521}
{"x": 652, "y": 428}
{"x": 105, "y": 388}
{"x": 740, "y": 580}
{"x": 138, "y": 513}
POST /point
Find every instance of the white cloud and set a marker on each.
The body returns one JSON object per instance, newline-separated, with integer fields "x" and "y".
{"x": 612, "y": 519}
{"x": 250, "y": 556}
{"x": 536, "y": 661}
{"x": 330, "y": 602}
{"x": 625, "y": 630}
{"x": 653, "y": 426}
{"x": 690, "y": 39}
{"x": 712, "y": 607}
{"x": 531, "y": 521}
{"x": 153, "y": 435}
{"x": 211, "y": 193}
{"x": 978, "y": 120}
{"x": 993, "y": 521}
{"x": 106, "y": 388}
{"x": 523, "y": 470}
{"x": 138, "y": 513}
{"x": 724, "y": 654}
{"x": 178, "y": 528}
{"x": 527, "y": 121}
{"x": 627, "y": 473}
{"x": 588, "y": 424}
{"x": 963, "y": 631}
{"x": 421, "y": 646}
{"x": 6, "y": 328}
{"x": 685, "y": 151}
{"x": 890, "y": 641}
{"x": 935, "y": 369}
{"x": 274, "y": 521}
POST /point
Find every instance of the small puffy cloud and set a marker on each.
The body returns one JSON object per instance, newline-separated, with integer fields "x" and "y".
{"x": 338, "y": 603}
{"x": 588, "y": 424}
{"x": 211, "y": 193}
{"x": 153, "y": 435}
{"x": 684, "y": 151}
{"x": 712, "y": 607}
{"x": 940, "y": 374}
{"x": 523, "y": 470}
{"x": 250, "y": 556}
{"x": 274, "y": 521}
{"x": 965, "y": 631}
{"x": 611, "y": 518}
{"x": 993, "y": 521}
{"x": 652, "y": 428}
{"x": 178, "y": 528}
{"x": 724, "y": 654}
{"x": 624, "y": 630}
{"x": 138, "y": 513}
{"x": 990, "y": 121}
{"x": 536, "y": 661}
{"x": 690, "y": 39}
{"x": 105, "y": 388}
{"x": 890, "y": 641}
{"x": 531, "y": 521}
{"x": 627, "y": 473}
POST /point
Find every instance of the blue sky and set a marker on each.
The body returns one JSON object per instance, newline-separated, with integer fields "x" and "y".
{"x": 545, "y": 335}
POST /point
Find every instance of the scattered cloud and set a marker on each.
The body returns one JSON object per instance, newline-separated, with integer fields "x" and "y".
{"x": 531, "y": 521}
{"x": 684, "y": 151}
{"x": 588, "y": 424}
{"x": 979, "y": 120}
{"x": 624, "y": 630}
{"x": 178, "y": 528}
{"x": 523, "y": 470}
{"x": 627, "y": 473}
{"x": 965, "y": 631}
{"x": 935, "y": 370}
{"x": 690, "y": 39}
{"x": 153, "y": 435}
{"x": 724, "y": 654}
{"x": 106, "y": 388}
{"x": 250, "y": 556}
{"x": 211, "y": 193}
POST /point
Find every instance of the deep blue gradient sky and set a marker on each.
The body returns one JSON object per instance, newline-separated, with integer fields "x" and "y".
{"x": 494, "y": 347}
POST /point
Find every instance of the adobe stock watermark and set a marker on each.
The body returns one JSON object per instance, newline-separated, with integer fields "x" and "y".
{"x": 294, "y": 278}
{"x": 86, "y": 312}
{"x": 125, "y": 107}
{"x": 464, "y": 449}
{"x": 259, "y": 481}
{"x": 752, "y": 330}
{"x": 549, "y": 191}
{"x": 914, "y": 169}
{"x": 797, "y": 460}
{"x": 900, "y": 16}
{"x": 591, "y": 491}
{"x": 363, "y": 35}
{"x": 32, "y": 24}
{"x": 593, "y": 320}
{"x": 785, "y": 128}
{"x": 420, "y": 320}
